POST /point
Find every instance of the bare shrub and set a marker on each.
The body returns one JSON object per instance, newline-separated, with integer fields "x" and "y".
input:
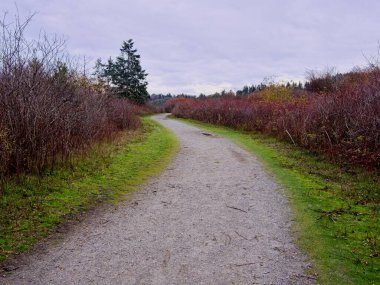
{"x": 345, "y": 123}
{"x": 47, "y": 108}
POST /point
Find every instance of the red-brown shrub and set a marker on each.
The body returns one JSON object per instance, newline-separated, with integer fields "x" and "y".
{"x": 47, "y": 109}
{"x": 345, "y": 123}
{"x": 170, "y": 104}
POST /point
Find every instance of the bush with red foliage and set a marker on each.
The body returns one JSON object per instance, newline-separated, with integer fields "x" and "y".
{"x": 170, "y": 104}
{"x": 47, "y": 109}
{"x": 344, "y": 123}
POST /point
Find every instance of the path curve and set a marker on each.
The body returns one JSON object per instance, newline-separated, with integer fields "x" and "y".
{"x": 214, "y": 216}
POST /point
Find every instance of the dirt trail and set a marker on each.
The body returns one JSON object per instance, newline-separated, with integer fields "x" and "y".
{"x": 213, "y": 217}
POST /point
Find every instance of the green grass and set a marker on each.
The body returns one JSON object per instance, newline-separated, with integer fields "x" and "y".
{"x": 337, "y": 217}
{"x": 31, "y": 207}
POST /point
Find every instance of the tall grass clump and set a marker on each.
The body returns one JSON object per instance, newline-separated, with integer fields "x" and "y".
{"x": 47, "y": 108}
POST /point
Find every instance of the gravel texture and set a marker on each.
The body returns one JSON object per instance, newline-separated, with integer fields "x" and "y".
{"x": 214, "y": 216}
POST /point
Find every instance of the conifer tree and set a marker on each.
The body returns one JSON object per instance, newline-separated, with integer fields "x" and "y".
{"x": 124, "y": 75}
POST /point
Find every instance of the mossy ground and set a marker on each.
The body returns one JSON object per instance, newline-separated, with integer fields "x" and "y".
{"x": 31, "y": 206}
{"x": 336, "y": 210}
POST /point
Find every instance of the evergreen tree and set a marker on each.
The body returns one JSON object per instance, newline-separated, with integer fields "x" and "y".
{"x": 251, "y": 89}
{"x": 125, "y": 75}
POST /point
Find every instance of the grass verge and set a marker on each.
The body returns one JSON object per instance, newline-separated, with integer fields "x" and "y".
{"x": 336, "y": 211}
{"x": 31, "y": 206}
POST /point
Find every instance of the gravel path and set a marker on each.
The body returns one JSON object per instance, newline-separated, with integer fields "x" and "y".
{"x": 213, "y": 217}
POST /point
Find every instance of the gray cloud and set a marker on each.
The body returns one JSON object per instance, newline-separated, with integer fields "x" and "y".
{"x": 196, "y": 46}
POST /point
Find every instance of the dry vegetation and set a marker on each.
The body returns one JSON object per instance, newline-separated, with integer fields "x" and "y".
{"x": 47, "y": 108}
{"x": 335, "y": 114}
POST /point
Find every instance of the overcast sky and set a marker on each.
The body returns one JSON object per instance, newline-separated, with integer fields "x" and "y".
{"x": 195, "y": 46}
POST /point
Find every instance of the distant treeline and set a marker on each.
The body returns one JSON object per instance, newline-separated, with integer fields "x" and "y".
{"x": 327, "y": 81}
